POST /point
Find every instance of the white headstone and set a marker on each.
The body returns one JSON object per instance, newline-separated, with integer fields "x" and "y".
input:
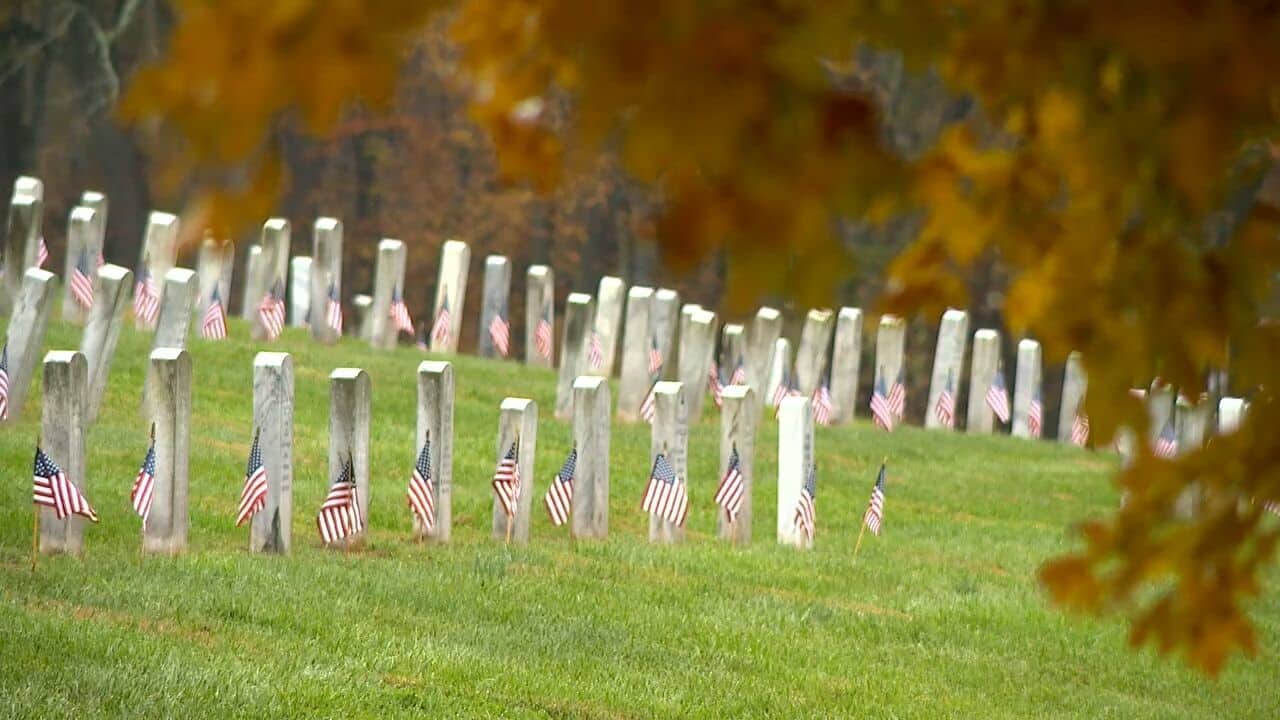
{"x": 670, "y": 436}
{"x": 215, "y": 265}
{"x": 664, "y": 315}
{"x": 362, "y": 305}
{"x": 21, "y": 238}
{"x": 98, "y": 343}
{"x": 779, "y": 368}
{"x": 763, "y": 335}
{"x": 517, "y": 423}
{"x": 591, "y": 430}
{"x": 495, "y": 304}
{"x": 738, "y": 419}
{"x": 254, "y": 282}
{"x": 985, "y": 365}
{"x": 159, "y": 251}
{"x": 1231, "y": 411}
{"x": 350, "y": 402}
{"x": 608, "y": 323}
{"x": 388, "y": 284}
{"x": 795, "y": 457}
{"x": 98, "y": 203}
{"x": 697, "y": 348}
{"x": 891, "y": 339}
{"x": 63, "y": 432}
{"x": 733, "y": 349}
{"x": 435, "y": 421}
{"x": 326, "y": 276}
{"x": 451, "y": 292}
{"x": 1027, "y": 389}
{"x": 84, "y": 253}
{"x": 637, "y": 343}
{"x": 540, "y": 308}
{"x": 300, "y": 291}
{"x": 25, "y": 335}
{"x": 846, "y": 364}
{"x": 274, "y": 271}
{"x": 579, "y": 311}
{"x": 168, "y": 391}
{"x": 271, "y": 528}
{"x": 178, "y": 299}
{"x": 948, "y": 364}
{"x": 811, "y": 355}
{"x": 29, "y": 185}
{"x": 1074, "y": 385}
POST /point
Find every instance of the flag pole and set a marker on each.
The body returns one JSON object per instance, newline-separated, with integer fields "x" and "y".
{"x": 35, "y": 525}
{"x": 859, "y": 543}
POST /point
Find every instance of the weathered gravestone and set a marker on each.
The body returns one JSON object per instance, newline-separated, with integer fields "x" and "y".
{"x": 178, "y": 300}
{"x": 579, "y": 310}
{"x": 63, "y": 431}
{"x": 1192, "y": 422}
{"x": 435, "y": 421}
{"x": 985, "y": 365}
{"x": 1027, "y": 390}
{"x": 540, "y": 316}
{"x": 733, "y": 350}
{"x": 271, "y": 528}
{"x": 363, "y": 306}
{"x": 168, "y": 391}
{"x": 350, "y": 410}
{"x": 98, "y": 343}
{"x": 948, "y": 364}
{"x": 273, "y": 272}
{"x": 326, "y": 277}
{"x": 766, "y": 329}
{"x": 254, "y": 280}
{"x": 517, "y": 423}
{"x": 590, "y": 517}
{"x": 29, "y": 185}
{"x": 608, "y": 320}
{"x": 1161, "y": 409}
{"x": 738, "y": 419}
{"x": 495, "y": 314}
{"x": 682, "y": 329}
{"x": 697, "y": 348}
{"x": 846, "y": 364}
{"x": 97, "y": 202}
{"x": 451, "y": 293}
{"x": 299, "y": 291}
{"x": 1074, "y": 385}
{"x": 25, "y": 335}
{"x": 388, "y": 286}
{"x": 891, "y": 339}
{"x": 21, "y": 238}
{"x": 1231, "y": 411}
{"x": 664, "y": 316}
{"x": 670, "y": 436}
{"x": 159, "y": 251}
{"x": 84, "y": 255}
{"x": 215, "y": 265}
{"x": 637, "y": 344}
{"x": 795, "y": 458}
{"x": 811, "y": 355}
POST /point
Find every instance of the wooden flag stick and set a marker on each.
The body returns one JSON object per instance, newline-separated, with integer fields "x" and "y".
{"x": 859, "y": 543}
{"x": 511, "y": 520}
{"x": 35, "y": 536}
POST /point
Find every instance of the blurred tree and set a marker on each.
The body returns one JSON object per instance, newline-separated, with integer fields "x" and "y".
{"x": 1109, "y": 156}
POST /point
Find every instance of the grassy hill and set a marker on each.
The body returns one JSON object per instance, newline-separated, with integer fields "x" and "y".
{"x": 940, "y": 617}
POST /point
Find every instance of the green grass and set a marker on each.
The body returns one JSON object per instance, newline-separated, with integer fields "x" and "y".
{"x": 940, "y": 617}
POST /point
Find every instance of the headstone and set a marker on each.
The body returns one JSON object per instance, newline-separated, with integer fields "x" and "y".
{"x": 686, "y": 314}
{"x": 1161, "y": 408}
{"x": 326, "y": 275}
{"x": 363, "y": 306}
{"x": 540, "y": 307}
{"x": 159, "y": 250}
{"x": 274, "y": 271}
{"x": 670, "y": 436}
{"x": 168, "y": 391}
{"x": 738, "y": 419}
{"x": 97, "y": 202}
{"x": 350, "y": 403}
{"x": 664, "y": 316}
{"x": 29, "y": 185}
{"x": 1192, "y": 422}
{"x": 1027, "y": 387}
{"x": 98, "y": 343}
{"x": 451, "y": 291}
{"x": 62, "y": 436}
{"x": 518, "y": 423}
{"x": 435, "y": 420}
{"x": 986, "y": 362}
{"x": 590, "y": 517}
{"x": 271, "y": 529}
{"x": 811, "y": 355}
{"x": 388, "y": 281}
{"x": 697, "y": 349}
{"x": 579, "y": 311}
{"x": 1074, "y": 385}
{"x": 795, "y": 457}
{"x": 608, "y": 322}
{"x": 254, "y": 282}
{"x": 495, "y": 304}
{"x": 299, "y": 291}
{"x": 766, "y": 329}
{"x": 891, "y": 339}
{"x": 25, "y": 337}
{"x": 637, "y": 342}
{"x": 178, "y": 299}
{"x": 214, "y": 267}
{"x": 1231, "y": 411}
{"x": 846, "y": 364}
{"x": 84, "y": 252}
{"x": 733, "y": 348}
{"x": 948, "y": 363}
{"x": 21, "y": 238}
{"x": 779, "y": 368}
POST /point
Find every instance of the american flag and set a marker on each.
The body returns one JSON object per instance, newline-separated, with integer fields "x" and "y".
{"x": 400, "y": 312}
{"x": 729, "y": 494}
{"x": 898, "y": 395}
{"x": 655, "y": 356}
{"x": 739, "y": 376}
{"x": 254, "y": 495}
{"x": 648, "y": 406}
{"x": 822, "y": 404}
{"x": 146, "y": 297}
{"x": 500, "y": 333}
{"x": 506, "y": 481}
{"x": 945, "y": 409}
{"x": 42, "y": 253}
{"x": 1080, "y": 428}
{"x": 786, "y": 388}
{"x": 595, "y": 352}
{"x": 714, "y": 385}
{"x": 340, "y": 515}
{"x": 144, "y": 485}
{"x": 53, "y": 489}
{"x": 1272, "y": 506}
{"x": 214, "y": 324}
{"x": 1166, "y": 444}
{"x": 874, "y": 515}
{"x": 1035, "y": 415}
{"x": 665, "y": 496}
{"x": 81, "y": 282}
{"x": 443, "y": 328}
{"x": 998, "y": 397}
{"x": 271, "y": 311}
{"x": 333, "y": 309}
{"x": 806, "y": 517}
{"x": 422, "y": 494}
{"x": 559, "y": 499}
{"x": 542, "y": 340}
{"x": 4, "y": 382}
{"x": 881, "y": 411}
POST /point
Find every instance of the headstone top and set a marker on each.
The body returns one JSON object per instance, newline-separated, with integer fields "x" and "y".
{"x": 590, "y": 382}
{"x": 83, "y": 214}
{"x": 495, "y": 260}
{"x": 346, "y": 373}
{"x": 515, "y": 403}
{"x": 271, "y": 359}
{"x": 703, "y": 316}
{"x": 28, "y": 185}
{"x": 389, "y": 244}
{"x": 433, "y": 366}
{"x": 182, "y": 275}
{"x": 61, "y": 356}
{"x": 986, "y": 334}
{"x": 639, "y": 291}
{"x": 579, "y": 298}
{"x": 92, "y": 196}
{"x": 115, "y": 272}
{"x": 1027, "y": 343}
{"x": 666, "y": 294}
{"x": 162, "y": 219}
{"x": 736, "y": 391}
{"x": 538, "y": 270}
{"x": 277, "y": 224}
{"x": 768, "y": 313}
{"x": 327, "y": 223}
{"x": 167, "y": 353}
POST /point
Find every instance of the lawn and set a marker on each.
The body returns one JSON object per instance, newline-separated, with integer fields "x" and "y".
{"x": 939, "y": 617}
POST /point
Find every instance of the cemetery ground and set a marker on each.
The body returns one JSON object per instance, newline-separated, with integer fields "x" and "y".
{"x": 940, "y": 617}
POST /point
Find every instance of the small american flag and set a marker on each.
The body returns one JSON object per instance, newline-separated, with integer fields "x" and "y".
{"x": 400, "y": 312}
{"x": 822, "y": 404}
{"x": 1167, "y": 443}
{"x": 648, "y": 406}
{"x": 881, "y": 411}
{"x": 144, "y": 485}
{"x": 945, "y": 409}
{"x": 1080, "y": 428}
{"x": 787, "y": 388}
{"x": 559, "y": 499}
{"x": 444, "y": 324}
{"x": 271, "y": 311}
{"x": 714, "y": 385}
{"x": 739, "y": 376}
{"x": 82, "y": 282}
{"x": 506, "y": 481}
{"x": 1035, "y": 416}
{"x": 806, "y": 517}
{"x": 42, "y": 253}
{"x": 665, "y": 495}
{"x": 340, "y": 515}
{"x": 500, "y": 333}
{"x": 874, "y": 515}
{"x": 595, "y": 352}
{"x": 214, "y": 324}
{"x": 898, "y": 395}
{"x": 254, "y": 495}
{"x": 53, "y": 489}
{"x": 1272, "y": 506}
{"x": 333, "y": 309}
{"x": 146, "y": 297}
{"x": 4, "y": 382}
{"x": 542, "y": 340}
{"x": 655, "y": 356}
{"x": 998, "y": 397}
{"x": 422, "y": 494}
{"x": 729, "y": 494}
